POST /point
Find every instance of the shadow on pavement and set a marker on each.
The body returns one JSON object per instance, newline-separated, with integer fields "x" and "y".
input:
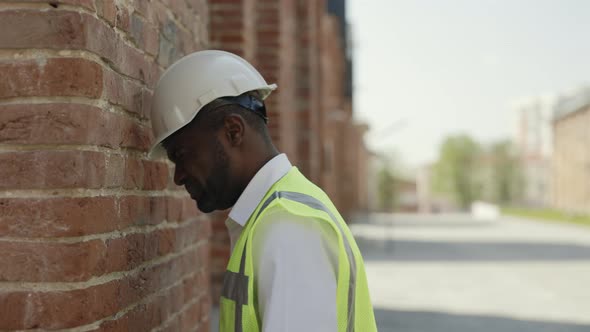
{"x": 403, "y": 250}
{"x": 430, "y": 321}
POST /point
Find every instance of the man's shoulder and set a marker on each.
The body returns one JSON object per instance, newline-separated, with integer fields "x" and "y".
{"x": 284, "y": 228}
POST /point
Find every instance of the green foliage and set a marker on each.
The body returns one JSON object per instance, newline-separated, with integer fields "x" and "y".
{"x": 455, "y": 172}
{"x": 507, "y": 178}
{"x": 466, "y": 171}
{"x": 386, "y": 189}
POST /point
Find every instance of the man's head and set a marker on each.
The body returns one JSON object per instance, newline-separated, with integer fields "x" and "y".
{"x": 213, "y": 154}
{"x": 208, "y": 116}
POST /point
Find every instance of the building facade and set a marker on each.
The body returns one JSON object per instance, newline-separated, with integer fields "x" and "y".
{"x": 571, "y": 156}
{"x": 534, "y": 144}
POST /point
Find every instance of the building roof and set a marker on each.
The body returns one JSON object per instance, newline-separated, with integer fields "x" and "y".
{"x": 572, "y": 103}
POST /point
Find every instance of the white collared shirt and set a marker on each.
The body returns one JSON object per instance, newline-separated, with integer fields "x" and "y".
{"x": 295, "y": 260}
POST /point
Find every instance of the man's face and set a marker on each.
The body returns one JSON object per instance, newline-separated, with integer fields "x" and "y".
{"x": 202, "y": 167}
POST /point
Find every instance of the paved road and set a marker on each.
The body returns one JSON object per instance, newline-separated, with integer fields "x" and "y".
{"x": 455, "y": 274}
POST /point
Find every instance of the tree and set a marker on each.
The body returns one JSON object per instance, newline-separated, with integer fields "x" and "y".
{"x": 455, "y": 172}
{"x": 507, "y": 177}
{"x": 386, "y": 189}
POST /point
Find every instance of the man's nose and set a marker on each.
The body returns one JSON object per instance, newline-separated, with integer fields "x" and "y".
{"x": 179, "y": 175}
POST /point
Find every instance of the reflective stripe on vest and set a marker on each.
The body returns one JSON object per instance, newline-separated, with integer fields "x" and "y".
{"x": 235, "y": 285}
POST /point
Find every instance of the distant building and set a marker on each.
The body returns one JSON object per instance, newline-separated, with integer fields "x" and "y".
{"x": 424, "y": 189}
{"x": 407, "y": 192}
{"x": 533, "y": 140}
{"x": 571, "y": 156}
{"x": 429, "y": 201}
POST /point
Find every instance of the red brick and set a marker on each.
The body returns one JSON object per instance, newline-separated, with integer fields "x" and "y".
{"x": 134, "y": 135}
{"x": 60, "y": 216}
{"x": 190, "y": 317}
{"x": 154, "y": 210}
{"x": 178, "y": 298}
{"x": 54, "y": 310}
{"x": 52, "y": 77}
{"x": 205, "y": 307}
{"x": 225, "y": 12}
{"x": 136, "y": 29}
{"x": 126, "y": 59}
{"x": 220, "y": 26}
{"x": 128, "y": 71}
{"x": 133, "y": 174}
{"x": 73, "y": 30}
{"x": 203, "y": 258}
{"x": 172, "y": 326}
{"x": 27, "y": 261}
{"x": 213, "y": 3}
{"x": 55, "y": 4}
{"x": 54, "y": 124}
{"x": 149, "y": 315}
{"x": 189, "y": 209}
{"x": 174, "y": 209}
{"x": 66, "y": 309}
{"x": 188, "y": 43}
{"x": 146, "y": 104}
{"x": 151, "y": 38}
{"x": 141, "y": 6}
{"x": 229, "y": 39}
{"x": 70, "y": 124}
{"x": 142, "y": 210}
{"x": 124, "y": 92}
{"x": 114, "y": 174}
{"x": 205, "y": 230}
{"x": 52, "y": 169}
{"x": 157, "y": 209}
{"x": 48, "y": 261}
{"x": 107, "y": 9}
{"x": 268, "y": 35}
{"x": 155, "y": 175}
{"x": 181, "y": 10}
{"x": 191, "y": 286}
{"x": 157, "y": 14}
{"x": 204, "y": 326}
{"x": 123, "y": 19}
{"x": 50, "y": 29}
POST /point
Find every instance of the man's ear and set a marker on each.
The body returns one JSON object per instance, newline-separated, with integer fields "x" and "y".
{"x": 234, "y": 126}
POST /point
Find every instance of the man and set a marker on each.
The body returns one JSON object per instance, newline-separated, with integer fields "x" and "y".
{"x": 294, "y": 264}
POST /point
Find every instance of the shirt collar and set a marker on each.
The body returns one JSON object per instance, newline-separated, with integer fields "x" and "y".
{"x": 265, "y": 178}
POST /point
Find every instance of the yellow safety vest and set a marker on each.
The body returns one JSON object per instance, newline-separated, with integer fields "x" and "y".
{"x": 296, "y": 195}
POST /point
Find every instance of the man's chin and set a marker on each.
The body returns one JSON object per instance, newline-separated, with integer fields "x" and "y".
{"x": 204, "y": 207}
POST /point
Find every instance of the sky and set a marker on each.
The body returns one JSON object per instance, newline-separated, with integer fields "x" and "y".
{"x": 426, "y": 69}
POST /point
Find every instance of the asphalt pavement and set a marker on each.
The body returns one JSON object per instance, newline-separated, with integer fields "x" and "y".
{"x": 453, "y": 273}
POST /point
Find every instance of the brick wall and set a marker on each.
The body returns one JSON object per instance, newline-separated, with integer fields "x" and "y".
{"x": 333, "y": 115}
{"x": 308, "y": 89}
{"x": 93, "y": 234}
{"x": 571, "y": 162}
{"x": 275, "y": 59}
{"x": 344, "y": 158}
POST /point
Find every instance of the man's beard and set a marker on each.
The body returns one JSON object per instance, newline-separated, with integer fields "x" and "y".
{"x": 218, "y": 194}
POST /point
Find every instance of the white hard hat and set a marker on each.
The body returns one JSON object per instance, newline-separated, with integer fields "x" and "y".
{"x": 194, "y": 81}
